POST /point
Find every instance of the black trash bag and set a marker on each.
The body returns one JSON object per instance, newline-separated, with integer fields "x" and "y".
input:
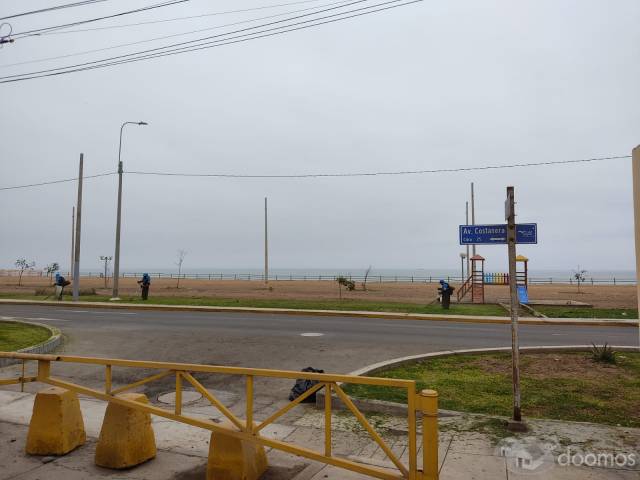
{"x": 302, "y": 385}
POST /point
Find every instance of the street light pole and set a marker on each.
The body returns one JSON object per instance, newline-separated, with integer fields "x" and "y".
{"x": 116, "y": 264}
{"x": 106, "y": 261}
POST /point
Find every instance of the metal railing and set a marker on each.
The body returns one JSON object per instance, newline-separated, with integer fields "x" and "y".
{"x": 533, "y": 280}
{"x": 247, "y": 428}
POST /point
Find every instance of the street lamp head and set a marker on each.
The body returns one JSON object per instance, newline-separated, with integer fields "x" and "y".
{"x": 143, "y": 123}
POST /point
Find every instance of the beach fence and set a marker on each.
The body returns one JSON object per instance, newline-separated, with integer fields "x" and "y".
{"x": 492, "y": 278}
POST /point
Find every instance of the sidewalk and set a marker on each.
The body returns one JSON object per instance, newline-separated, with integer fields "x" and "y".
{"x": 333, "y": 313}
{"x": 471, "y": 447}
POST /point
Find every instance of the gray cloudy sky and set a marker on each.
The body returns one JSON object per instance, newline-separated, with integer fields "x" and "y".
{"x": 430, "y": 85}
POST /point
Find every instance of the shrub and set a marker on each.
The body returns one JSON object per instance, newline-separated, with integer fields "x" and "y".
{"x": 603, "y": 354}
{"x": 346, "y": 283}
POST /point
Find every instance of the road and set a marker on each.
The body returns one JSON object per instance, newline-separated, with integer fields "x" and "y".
{"x": 276, "y": 341}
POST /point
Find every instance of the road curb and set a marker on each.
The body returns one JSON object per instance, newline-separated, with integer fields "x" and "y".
{"x": 400, "y": 409}
{"x": 54, "y": 341}
{"x": 331, "y": 313}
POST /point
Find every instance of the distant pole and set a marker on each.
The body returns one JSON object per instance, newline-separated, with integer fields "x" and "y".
{"x": 473, "y": 214}
{"x": 467, "y": 223}
{"x": 106, "y": 259}
{"x": 635, "y": 165}
{"x": 76, "y": 257}
{"x": 462, "y": 257}
{"x": 515, "y": 347}
{"x": 266, "y": 244}
{"x": 73, "y": 240}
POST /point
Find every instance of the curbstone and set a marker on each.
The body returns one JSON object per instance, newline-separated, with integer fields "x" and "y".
{"x": 54, "y": 341}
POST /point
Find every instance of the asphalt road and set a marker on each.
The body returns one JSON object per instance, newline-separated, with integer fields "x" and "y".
{"x": 276, "y": 341}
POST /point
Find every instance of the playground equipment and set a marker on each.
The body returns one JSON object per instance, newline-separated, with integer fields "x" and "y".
{"x": 479, "y": 278}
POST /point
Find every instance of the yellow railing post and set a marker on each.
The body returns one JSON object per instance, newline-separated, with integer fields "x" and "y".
{"x": 107, "y": 380}
{"x": 413, "y": 432}
{"x": 178, "y": 409}
{"x": 327, "y": 420}
{"x": 249, "y": 412}
{"x": 22, "y": 377}
{"x": 428, "y": 404}
{"x": 44, "y": 369}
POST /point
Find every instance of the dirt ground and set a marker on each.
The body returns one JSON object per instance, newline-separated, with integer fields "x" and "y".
{"x": 604, "y": 296}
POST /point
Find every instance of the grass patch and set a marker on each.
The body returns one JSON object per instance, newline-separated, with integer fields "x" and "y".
{"x": 14, "y": 336}
{"x": 582, "y": 312}
{"x": 559, "y": 386}
{"x": 463, "y": 309}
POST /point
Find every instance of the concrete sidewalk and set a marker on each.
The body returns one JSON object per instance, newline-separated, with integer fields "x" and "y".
{"x": 610, "y": 322}
{"x": 469, "y": 447}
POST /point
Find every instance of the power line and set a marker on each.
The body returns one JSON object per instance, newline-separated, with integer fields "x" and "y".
{"x": 181, "y": 43}
{"x": 174, "y": 35}
{"x": 39, "y": 31}
{"x": 333, "y": 175}
{"x": 175, "y": 19}
{"x": 58, "y": 7}
{"x": 51, "y": 182}
{"x": 121, "y": 59}
{"x": 373, "y": 174}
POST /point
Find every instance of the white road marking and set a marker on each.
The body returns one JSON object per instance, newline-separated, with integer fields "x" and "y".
{"x": 75, "y": 311}
{"x": 559, "y": 334}
{"x": 311, "y": 334}
{"x": 113, "y": 313}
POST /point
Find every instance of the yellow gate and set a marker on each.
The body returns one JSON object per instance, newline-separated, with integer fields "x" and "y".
{"x": 426, "y": 403}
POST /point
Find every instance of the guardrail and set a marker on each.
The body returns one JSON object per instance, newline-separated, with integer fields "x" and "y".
{"x": 247, "y": 429}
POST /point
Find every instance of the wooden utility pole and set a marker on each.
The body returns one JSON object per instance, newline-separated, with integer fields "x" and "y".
{"x": 266, "y": 244}
{"x": 73, "y": 240}
{"x": 510, "y": 216}
{"x": 468, "y": 257}
{"x": 635, "y": 166}
{"x": 473, "y": 214}
{"x": 76, "y": 256}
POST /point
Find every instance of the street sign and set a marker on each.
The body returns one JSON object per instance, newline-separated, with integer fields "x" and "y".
{"x": 497, "y": 234}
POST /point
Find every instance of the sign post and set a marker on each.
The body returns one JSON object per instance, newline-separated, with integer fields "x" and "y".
{"x": 512, "y": 234}
{"x": 510, "y": 217}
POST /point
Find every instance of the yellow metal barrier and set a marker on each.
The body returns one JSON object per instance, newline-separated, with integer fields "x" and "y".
{"x": 425, "y": 402}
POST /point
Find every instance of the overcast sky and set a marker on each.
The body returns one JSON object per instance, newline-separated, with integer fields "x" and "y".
{"x": 436, "y": 84}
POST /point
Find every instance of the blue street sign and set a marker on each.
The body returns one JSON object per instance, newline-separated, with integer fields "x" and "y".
{"x": 497, "y": 234}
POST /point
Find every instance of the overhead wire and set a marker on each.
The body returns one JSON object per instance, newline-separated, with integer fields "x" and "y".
{"x": 112, "y": 47}
{"x": 120, "y": 59}
{"x": 39, "y": 31}
{"x": 334, "y": 175}
{"x": 52, "y": 182}
{"x": 175, "y": 19}
{"x": 49, "y": 9}
{"x": 390, "y": 173}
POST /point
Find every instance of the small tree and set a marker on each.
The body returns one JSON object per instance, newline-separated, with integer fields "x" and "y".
{"x": 366, "y": 275}
{"x": 23, "y": 264}
{"x": 179, "y": 259}
{"x": 342, "y": 281}
{"x": 51, "y": 269}
{"x": 580, "y": 276}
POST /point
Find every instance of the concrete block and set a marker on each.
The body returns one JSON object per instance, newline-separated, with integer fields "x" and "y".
{"x": 234, "y": 459}
{"x": 126, "y": 438}
{"x": 56, "y": 425}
